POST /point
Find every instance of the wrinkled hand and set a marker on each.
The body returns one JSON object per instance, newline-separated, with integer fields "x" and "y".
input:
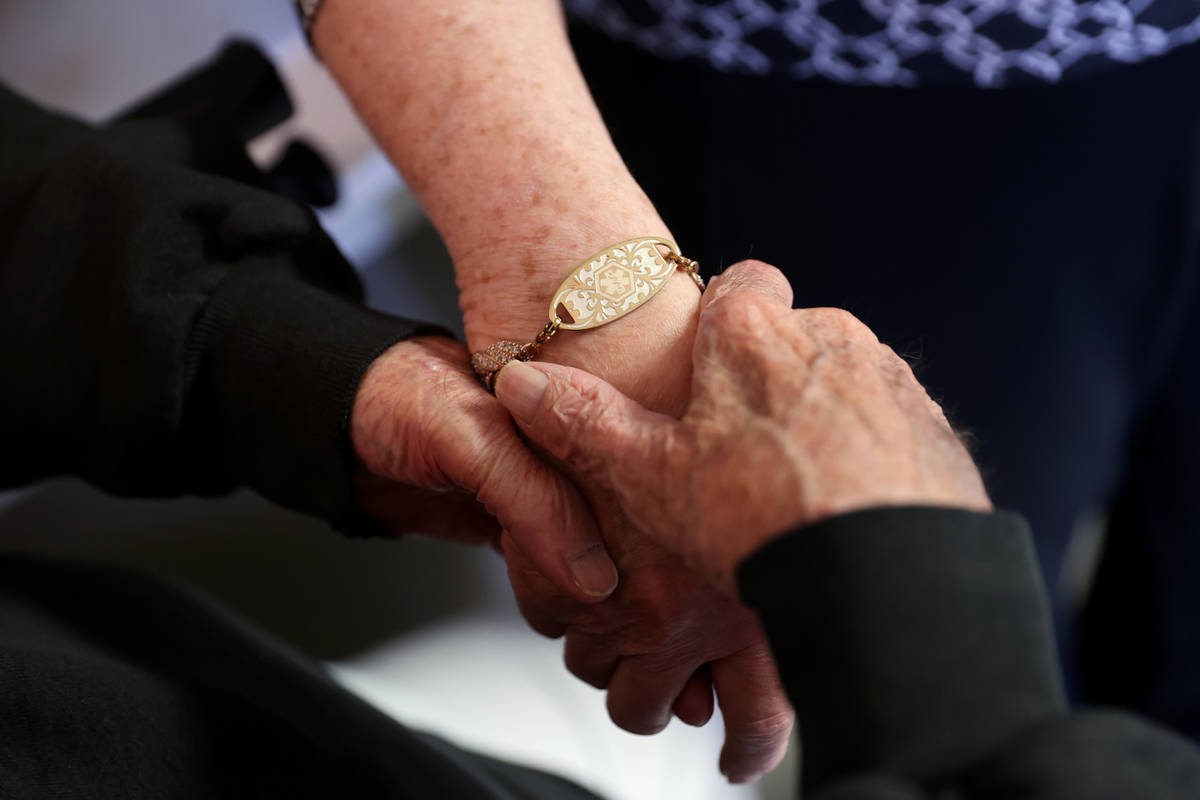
{"x": 663, "y": 642}
{"x": 794, "y": 415}
{"x": 432, "y": 441}
{"x": 666, "y": 638}
{"x": 439, "y": 455}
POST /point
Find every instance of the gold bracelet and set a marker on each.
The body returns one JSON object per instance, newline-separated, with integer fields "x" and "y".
{"x": 605, "y": 287}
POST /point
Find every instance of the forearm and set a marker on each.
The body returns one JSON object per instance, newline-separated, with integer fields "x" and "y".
{"x": 483, "y": 109}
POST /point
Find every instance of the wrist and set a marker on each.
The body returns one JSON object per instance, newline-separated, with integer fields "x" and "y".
{"x": 645, "y": 354}
{"x": 508, "y": 273}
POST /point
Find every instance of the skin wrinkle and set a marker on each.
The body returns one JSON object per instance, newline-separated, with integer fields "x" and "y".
{"x": 795, "y": 393}
{"x": 436, "y": 394}
{"x": 762, "y": 733}
{"x": 674, "y": 449}
{"x": 557, "y": 503}
{"x": 772, "y": 450}
{"x": 577, "y": 424}
{"x": 759, "y": 325}
{"x": 378, "y": 420}
{"x": 801, "y": 394}
{"x": 448, "y": 416}
{"x": 751, "y": 388}
{"x": 849, "y": 397}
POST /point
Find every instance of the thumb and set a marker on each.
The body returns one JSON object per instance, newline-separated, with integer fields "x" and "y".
{"x": 754, "y": 277}
{"x": 545, "y": 514}
{"x": 581, "y": 420}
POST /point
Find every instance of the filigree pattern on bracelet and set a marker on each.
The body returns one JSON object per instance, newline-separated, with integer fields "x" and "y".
{"x": 605, "y": 287}
{"x": 612, "y": 283}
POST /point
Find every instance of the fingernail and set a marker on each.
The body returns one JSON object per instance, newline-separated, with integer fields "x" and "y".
{"x": 519, "y": 388}
{"x": 593, "y": 571}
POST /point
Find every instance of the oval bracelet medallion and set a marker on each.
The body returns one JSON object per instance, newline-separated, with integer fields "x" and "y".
{"x": 612, "y": 283}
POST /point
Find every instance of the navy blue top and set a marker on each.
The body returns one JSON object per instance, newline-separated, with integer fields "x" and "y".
{"x": 989, "y": 43}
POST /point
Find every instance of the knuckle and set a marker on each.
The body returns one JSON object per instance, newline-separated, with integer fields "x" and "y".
{"x": 583, "y": 659}
{"x": 547, "y": 628}
{"x": 892, "y": 357}
{"x": 676, "y": 451}
{"x": 669, "y": 612}
{"x": 759, "y": 745}
{"x": 843, "y": 322}
{"x": 754, "y": 269}
{"x": 578, "y": 668}
{"x": 635, "y": 719}
{"x": 765, "y": 731}
{"x": 591, "y": 417}
{"x": 542, "y": 622}
{"x": 895, "y": 367}
{"x": 491, "y": 477}
{"x": 738, "y": 315}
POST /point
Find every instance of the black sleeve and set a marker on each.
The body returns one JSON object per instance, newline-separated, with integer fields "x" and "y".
{"x": 916, "y": 645}
{"x": 166, "y": 329}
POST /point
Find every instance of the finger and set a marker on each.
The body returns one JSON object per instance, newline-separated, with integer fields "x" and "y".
{"x": 694, "y": 706}
{"x": 758, "y": 716}
{"x": 401, "y": 508}
{"x": 589, "y": 659}
{"x": 546, "y": 516}
{"x": 533, "y": 593}
{"x": 588, "y": 425}
{"x": 643, "y": 691}
{"x": 748, "y": 276}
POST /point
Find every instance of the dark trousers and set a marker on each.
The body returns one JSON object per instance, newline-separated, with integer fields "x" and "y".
{"x": 1034, "y": 251}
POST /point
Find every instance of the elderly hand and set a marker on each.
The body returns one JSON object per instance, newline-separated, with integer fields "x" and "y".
{"x": 666, "y": 638}
{"x": 439, "y": 455}
{"x": 663, "y": 642}
{"x": 794, "y": 415}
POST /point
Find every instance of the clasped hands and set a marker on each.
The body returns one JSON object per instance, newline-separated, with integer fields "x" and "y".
{"x": 625, "y": 533}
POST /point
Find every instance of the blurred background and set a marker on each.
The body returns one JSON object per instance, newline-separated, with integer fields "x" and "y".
{"x": 425, "y": 629}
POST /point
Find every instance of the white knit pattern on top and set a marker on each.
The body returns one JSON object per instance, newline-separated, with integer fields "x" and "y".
{"x": 900, "y": 42}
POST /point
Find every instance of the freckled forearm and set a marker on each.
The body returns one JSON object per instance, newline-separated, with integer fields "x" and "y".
{"x": 483, "y": 109}
{"x": 481, "y": 106}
